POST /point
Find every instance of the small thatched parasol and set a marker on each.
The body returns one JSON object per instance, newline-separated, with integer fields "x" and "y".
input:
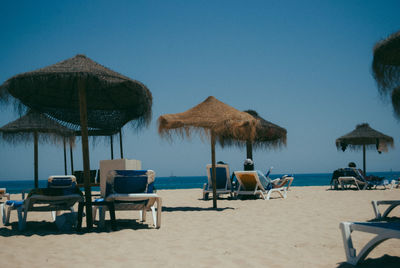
{"x": 364, "y": 137}
{"x": 268, "y": 135}
{"x": 82, "y": 93}
{"x": 214, "y": 119}
{"x": 36, "y": 127}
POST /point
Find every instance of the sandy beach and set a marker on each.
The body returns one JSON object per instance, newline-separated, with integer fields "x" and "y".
{"x": 300, "y": 231}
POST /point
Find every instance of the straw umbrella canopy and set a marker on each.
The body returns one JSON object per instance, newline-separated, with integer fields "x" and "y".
{"x": 364, "y": 137}
{"x": 386, "y": 67}
{"x": 268, "y": 135}
{"x": 36, "y": 127}
{"x": 213, "y": 119}
{"x": 386, "y": 63}
{"x": 82, "y": 93}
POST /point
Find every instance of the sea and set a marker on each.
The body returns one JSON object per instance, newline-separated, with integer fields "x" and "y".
{"x": 193, "y": 182}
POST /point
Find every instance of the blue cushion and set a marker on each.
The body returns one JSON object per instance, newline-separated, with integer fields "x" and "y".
{"x": 60, "y": 182}
{"x": 15, "y": 203}
{"x": 131, "y": 172}
{"x": 221, "y": 177}
{"x": 129, "y": 184}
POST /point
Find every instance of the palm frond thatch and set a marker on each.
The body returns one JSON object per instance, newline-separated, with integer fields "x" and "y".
{"x": 268, "y": 134}
{"x": 24, "y": 129}
{"x": 396, "y": 102}
{"x": 386, "y": 63}
{"x": 210, "y": 117}
{"x": 112, "y": 99}
{"x": 364, "y": 135}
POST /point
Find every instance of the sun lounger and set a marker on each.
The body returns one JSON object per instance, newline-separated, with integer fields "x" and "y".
{"x": 3, "y": 194}
{"x": 358, "y": 179}
{"x": 383, "y": 231}
{"x": 61, "y": 194}
{"x": 348, "y": 181}
{"x": 250, "y": 184}
{"x": 130, "y": 190}
{"x": 223, "y": 181}
{"x": 392, "y": 204}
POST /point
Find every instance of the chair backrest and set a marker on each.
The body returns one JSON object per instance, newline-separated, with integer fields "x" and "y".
{"x": 129, "y": 181}
{"x": 61, "y": 181}
{"x": 65, "y": 183}
{"x": 223, "y": 178}
{"x": 248, "y": 180}
{"x": 2, "y": 192}
{"x": 79, "y": 176}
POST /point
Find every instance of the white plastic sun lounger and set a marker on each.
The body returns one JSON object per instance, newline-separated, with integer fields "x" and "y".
{"x": 3, "y": 194}
{"x": 383, "y": 231}
{"x": 392, "y": 204}
{"x": 131, "y": 190}
{"x": 223, "y": 181}
{"x": 249, "y": 184}
{"x": 37, "y": 201}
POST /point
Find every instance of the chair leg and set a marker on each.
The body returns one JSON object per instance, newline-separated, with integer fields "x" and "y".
{"x": 142, "y": 215}
{"x": 102, "y": 216}
{"x": 94, "y": 213}
{"x": 376, "y": 210}
{"x": 153, "y": 212}
{"x": 22, "y": 215}
{"x": 284, "y": 192}
{"x": 348, "y": 243}
{"x": 159, "y": 209}
{"x": 8, "y": 213}
{"x": 3, "y": 213}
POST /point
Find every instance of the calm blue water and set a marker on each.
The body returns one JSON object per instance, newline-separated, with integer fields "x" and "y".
{"x": 190, "y": 182}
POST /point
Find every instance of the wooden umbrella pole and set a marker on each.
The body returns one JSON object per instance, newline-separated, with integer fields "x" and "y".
{"x": 364, "y": 166}
{"x": 249, "y": 150}
{"x": 120, "y": 143}
{"x": 72, "y": 158}
{"x": 85, "y": 152}
{"x": 214, "y": 172}
{"x": 112, "y": 147}
{"x": 65, "y": 157}
{"x": 36, "y": 158}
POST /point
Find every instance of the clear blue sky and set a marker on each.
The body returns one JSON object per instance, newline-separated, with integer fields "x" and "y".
{"x": 304, "y": 65}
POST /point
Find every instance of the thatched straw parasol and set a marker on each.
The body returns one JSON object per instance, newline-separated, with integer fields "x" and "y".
{"x": 386, "y": 63}
{"x": 396, "y": 102}
{"x": 214, "y": 119}
{"x": 82, "y": 93}
{"x": 268, "y": 135}
{"x": 36, "y": 127}
{"x": 364, "y": 137}
{"x": 386, "y": 67}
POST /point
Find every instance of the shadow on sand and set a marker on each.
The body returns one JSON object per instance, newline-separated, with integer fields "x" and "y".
{"x": 384, "y": 261}
{"x": 44, "y": 228}
{"x": 184, "y": 209}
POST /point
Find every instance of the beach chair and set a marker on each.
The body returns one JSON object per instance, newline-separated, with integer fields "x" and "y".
{"x": 130, "y": 190}
{"x": 347, "y": 181}
{"x": 250, "y": 184}
{"x": 355, "y": 177}
{"x": 61, "y": 194}
{"x": 223, "y": 181}
{"x": 383, "y": 231}
{"x": 3, "y": 194}
{"x": 392, "y": 204}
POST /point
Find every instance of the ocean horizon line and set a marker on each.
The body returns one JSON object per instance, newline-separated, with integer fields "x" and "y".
{"x": 177, "y": 176}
